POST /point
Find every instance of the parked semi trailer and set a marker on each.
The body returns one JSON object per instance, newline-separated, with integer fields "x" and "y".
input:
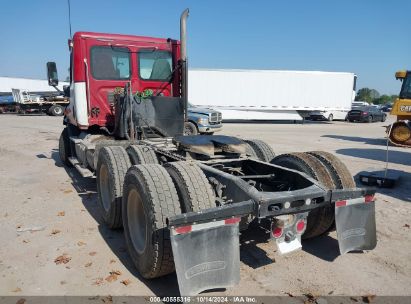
{"x": 182, "y": 200}
{"x": 272, "y": 94}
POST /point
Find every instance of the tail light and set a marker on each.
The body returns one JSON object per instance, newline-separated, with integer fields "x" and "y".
{"x": 364, "y": 113}
{"x": 277, "y": 232}
{"x": 300, "y": 226}
{"x": 369, "y": 198}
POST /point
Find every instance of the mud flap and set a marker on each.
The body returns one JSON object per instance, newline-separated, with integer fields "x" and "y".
{"x": 355, "y": 223}
{"x": 206, "y": 255}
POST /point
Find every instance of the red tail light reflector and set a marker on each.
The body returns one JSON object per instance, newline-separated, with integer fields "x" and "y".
{"x": 300, "y": 226}
{"x": 232, "y": 220}
{"x": 369, "y": 198}
{"x": 277, "y": 232}
{"x": 183, "y": 229}
{"x": 340, "y": 203}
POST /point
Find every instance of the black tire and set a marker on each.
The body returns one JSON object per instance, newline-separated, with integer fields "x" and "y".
{"x": 250, "y": 151}
{"x": 263, "y": 151}
{"x": 330, "y": 117}
{"x": 370, "y": 119}
{"x": 140, "y": 154}
{"x": 340, "y": 174}
{"x": 194, "y": 191}
{"x": 149, "y": 199}
{"x": 190, "y": 128}
{"x": 56, "y": 110}
{"x": 112, "y": 165}
{"x": 64, "y": 148}
{"x": 383, "y": 118}
{"x": 321, "y": 219}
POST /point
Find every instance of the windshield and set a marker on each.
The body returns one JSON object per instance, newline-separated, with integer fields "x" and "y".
{"x": 155, "y": 65}
{"x": 406, "y": 87}
{"x": 110, "y": 63}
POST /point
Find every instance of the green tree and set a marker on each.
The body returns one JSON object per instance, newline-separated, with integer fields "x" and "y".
{"x": 385, "y": 99}
{"x": 374, "y": 94}
{"x": 367, "y": 94}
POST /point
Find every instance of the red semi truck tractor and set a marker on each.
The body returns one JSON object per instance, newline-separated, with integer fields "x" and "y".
{"x": 182, "y": 200}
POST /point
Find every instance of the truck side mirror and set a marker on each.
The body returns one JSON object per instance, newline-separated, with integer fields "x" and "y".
{"x": 66, "y": 90}
{"x": 52, "y": 74}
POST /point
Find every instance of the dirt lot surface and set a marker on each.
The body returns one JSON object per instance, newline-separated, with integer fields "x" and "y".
{"x": 69, "y": 251}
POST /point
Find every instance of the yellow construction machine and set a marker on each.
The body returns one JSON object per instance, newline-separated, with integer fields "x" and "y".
{"x": 400, "y": 131}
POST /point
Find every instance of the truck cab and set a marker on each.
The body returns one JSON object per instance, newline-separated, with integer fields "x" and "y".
{"x": 100, "y": 63}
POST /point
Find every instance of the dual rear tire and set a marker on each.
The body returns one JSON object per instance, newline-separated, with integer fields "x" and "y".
{"x": 330, "y": 172}
{"x": 259, "y": 149}
{"x": 138, "y": 194}
{"x": 149, "y": 199}
{"x": 152, "y": 194}
{"x": 113, "y": 163}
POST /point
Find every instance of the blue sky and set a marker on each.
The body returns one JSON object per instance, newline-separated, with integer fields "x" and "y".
{"x": 369, "y": 38}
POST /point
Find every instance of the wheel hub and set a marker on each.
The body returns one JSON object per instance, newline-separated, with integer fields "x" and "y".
{"x": 136, "y": 218}
{"x": 104, "y": 187}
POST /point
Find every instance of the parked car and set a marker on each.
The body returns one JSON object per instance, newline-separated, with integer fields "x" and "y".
{"x": 328, "y": 115}
{"x": 366, "y": 114}
{"x": 376, "y": 106}
{"x": 202, "y": 121}
{"x": 386, "y": 108}
{"x": 359, "y": 104}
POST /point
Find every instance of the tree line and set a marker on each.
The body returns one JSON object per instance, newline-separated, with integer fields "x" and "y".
{"x": 373, "y": 97}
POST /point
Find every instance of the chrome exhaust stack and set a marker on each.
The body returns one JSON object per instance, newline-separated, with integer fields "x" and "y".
{"x": 183, "y": 55}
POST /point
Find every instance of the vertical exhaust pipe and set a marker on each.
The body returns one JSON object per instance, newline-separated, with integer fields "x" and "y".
{"x": 184, "y": 63}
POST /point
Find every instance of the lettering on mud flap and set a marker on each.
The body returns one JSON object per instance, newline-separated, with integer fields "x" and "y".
{"x": 205, "y": 267}
{"x": 353, "y": 233}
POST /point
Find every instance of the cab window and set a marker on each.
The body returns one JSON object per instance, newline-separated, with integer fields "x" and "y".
{"x": 155, "y": 65}
{"x": 406, "y": 87}
{"x": 110, "y": 63}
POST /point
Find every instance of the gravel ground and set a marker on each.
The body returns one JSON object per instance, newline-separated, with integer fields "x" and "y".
{"x": 71, "y": 252}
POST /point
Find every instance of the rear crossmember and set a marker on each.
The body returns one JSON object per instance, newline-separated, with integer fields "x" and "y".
{"x": 264, "y": 209}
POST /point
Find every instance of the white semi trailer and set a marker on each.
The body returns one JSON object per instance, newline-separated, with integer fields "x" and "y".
{"x": 273, "y": 94}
